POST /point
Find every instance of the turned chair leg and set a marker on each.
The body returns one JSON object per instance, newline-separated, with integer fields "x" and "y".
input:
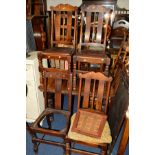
{"x": 35, "y": 144}
{"x": 103, "y": 153}
{"x": 104, "y": 150}
{"x": 67, "y": 148}
{"x": 35, "y": 148}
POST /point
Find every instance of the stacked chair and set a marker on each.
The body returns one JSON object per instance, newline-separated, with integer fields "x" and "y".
{"x": 63, "y": 35}
{"x": 121, "y": 62}
{"x": 55, "y": 78}
{"x": 119, "y": 33}
{"x": 91, "y": 51}
{"x": 68, "y": 68}
{"x": 91, "y": 103}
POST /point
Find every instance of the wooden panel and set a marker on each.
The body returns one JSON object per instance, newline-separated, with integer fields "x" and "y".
{"x": 93, "y": 95}
{"x": 45, "y": 92}
{"x": 88, "y": 24}
{"x": 57, "y": 25}
{"x": 86, "y": 93}
{"x": 69, "y": 26}
{"x": 63, "y": 25}
{"x": 58, "y": 83}
{"x": 124, "y": 138}
{"x": 117, "y": 109}
{"x": 100, "y": 95}
{"x": 99, "y": 28}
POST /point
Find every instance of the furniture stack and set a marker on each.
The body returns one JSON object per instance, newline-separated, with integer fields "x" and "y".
{"x": 79, "y": 67}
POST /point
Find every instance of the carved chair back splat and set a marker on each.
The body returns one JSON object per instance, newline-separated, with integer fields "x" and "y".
{"x": 63, "y": 25}
{"x": 94, "y": 25}
{"x": 94, "y": 85}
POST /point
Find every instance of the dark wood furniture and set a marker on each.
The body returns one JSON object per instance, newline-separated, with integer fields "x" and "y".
{"x": 125, "y": 136}
{"x": 63, "y": 31}
{"x": 106, "y": 3}
{"x": 62, "y": 41}
{"x": 54, "y": 62}
{"x": 92, "y": 86}
{"x": 122, "y": 56}
{"x": 118, "y": 35}
{"x": 121, "y": 60}
{"x": 93, "y": 37}
{"x": 36, "y": 13}
{"x": 63, "y": 27}
{"x": 56, "y": 76}
{"x": 101, "y": 2}
{"x": 120, "y": 29}
{"x": 118, "y": 107}
{"x": 110, "y": 4}
{"x": 39, "y": 31}
{"x": 35, "y": 7}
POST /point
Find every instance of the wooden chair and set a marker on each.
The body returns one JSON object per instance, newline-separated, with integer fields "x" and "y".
{"x": 122, "y": 56}
{"x": 63, "y": 30}
{"x": 120, "y": 61}
{"x": 93, "y": 36}
{"x": 56, "y": 76}
{"x": 92, "y": 100}
{"x": 117, "y": 109}
{"x": 119, "y": 33}
{"x": 61, "y": 63}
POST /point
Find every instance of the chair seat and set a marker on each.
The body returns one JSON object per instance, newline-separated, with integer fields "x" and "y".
{"x": 91, "y": 53}
{"x": 105, "y": 137}
{"x": 60, "y": 50}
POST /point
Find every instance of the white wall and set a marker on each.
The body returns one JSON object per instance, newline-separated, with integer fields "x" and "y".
{"x": 123, "y": 4}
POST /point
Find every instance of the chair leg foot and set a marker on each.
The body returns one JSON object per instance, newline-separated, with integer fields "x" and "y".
{"x": 35, "y": 147}
{"x": 67, "y": 149}
{"x": 104, "y": 151}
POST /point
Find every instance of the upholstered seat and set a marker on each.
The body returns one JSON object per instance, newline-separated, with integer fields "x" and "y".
{"x": 105, "y": 137}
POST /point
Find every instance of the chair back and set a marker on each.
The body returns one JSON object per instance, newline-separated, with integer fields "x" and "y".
{"x": 122, "y": 60}
{"x": 63, "y": 25}
{"x": 94, "y": 26}
{"x": 56, "y": 79}
{"x": 92, "y": 86}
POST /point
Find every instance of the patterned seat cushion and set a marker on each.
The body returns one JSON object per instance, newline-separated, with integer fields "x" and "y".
{"x": 105, "y": 137}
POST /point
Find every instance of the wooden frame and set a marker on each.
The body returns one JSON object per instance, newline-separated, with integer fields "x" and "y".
{"x": 89, "y": 118}
{"x": 63, "y": 22}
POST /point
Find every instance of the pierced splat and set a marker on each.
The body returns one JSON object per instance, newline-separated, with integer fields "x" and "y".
{"x": 94, "y": 23}
{"x": 63, "y": 21}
